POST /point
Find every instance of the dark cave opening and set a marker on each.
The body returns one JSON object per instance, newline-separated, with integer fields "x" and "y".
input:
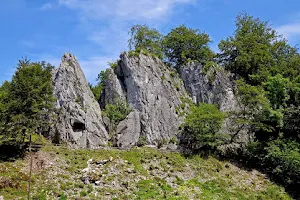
{"x": 78, "y": 127}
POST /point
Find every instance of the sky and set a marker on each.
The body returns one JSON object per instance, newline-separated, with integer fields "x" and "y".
{"x": 96, "y": 31}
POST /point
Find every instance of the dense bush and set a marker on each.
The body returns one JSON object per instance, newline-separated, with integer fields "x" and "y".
{"x": 117, "y": 111}
{"x": 201, "y": 127}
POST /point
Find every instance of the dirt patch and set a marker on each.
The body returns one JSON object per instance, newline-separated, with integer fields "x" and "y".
{"x": 40, "y": 161}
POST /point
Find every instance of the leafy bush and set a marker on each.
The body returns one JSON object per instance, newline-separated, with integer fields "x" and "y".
{"x": 117, "y": 111}
{"x": 283, "y": 157}
{"x": 142, "y": 141}
{"x": 280, "y": 159}
{"x": 202, "y": 125}
{"x": 113, "y": 64}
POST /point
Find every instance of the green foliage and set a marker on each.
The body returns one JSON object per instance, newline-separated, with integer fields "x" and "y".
{"x": 183, "y": 44}
{"x": 117, "y": 111}
{"x": 279, "y": 158}
{"x": 26, "y": 102}
{"x": 291, "y": 123}
{"x": 284, "y": 158}
{"x": 142, "y": 141}
{"x": 102, "y": 78}
{"x": 113, "y": 64}
{"x": 144, "y": 38}
{"x": 277, "y": 91}
{"x": 255, "y": 112}
{"x": 256, "y": 51}
{"x": 202, "y": 124}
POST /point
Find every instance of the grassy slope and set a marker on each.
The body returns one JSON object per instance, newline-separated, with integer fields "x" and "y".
{"x": 135, "y": 174}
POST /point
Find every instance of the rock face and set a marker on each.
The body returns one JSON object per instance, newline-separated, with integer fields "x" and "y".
{"x": 79, "y": 114}
{"x": 129, "y": 130}
{"x": 209, "y": 86}
{"x": 153, "y": 91}
{"x": 215, "y": 86}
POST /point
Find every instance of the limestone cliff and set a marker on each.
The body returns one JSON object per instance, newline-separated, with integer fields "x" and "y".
{"x": 211, "y": 85}
{"x": 79, "y": 114}
{"x": 154, "y": 92}
{"x": 214, "y": 85}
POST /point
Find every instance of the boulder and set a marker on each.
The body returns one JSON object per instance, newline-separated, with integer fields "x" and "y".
{"x": 128, "y": 130}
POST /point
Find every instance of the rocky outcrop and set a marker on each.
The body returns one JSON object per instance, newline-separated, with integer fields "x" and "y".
{"x": 211, "y": 85}
{"x": 129, "y": 130}
{"x": 214, "y": 85}
{"x": 154, "y": 92}
{"x": 79, "y": 114}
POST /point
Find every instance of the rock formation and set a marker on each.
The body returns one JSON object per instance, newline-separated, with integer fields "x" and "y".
{"x": 154, "y": 92}
{"x": 215, "y": 86}
{"x": 79, "y": 114}
{"x": 209, "y": 86}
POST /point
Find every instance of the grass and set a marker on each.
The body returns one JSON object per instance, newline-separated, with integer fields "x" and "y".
{"x": 140, "y": 173}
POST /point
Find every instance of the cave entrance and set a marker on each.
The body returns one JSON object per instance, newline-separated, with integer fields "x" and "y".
{"x": 78, "y": 127}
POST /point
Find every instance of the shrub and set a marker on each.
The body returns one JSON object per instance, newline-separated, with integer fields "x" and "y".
{"x": 201, "y": 127}
{"x": 142, "y": 141}
{"x": 117, "y": 111}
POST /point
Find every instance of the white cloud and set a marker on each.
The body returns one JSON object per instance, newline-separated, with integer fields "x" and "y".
{"x": 28, "y": 43}
{"x": 46, "y": 6}
{"x": 289, "y": 31}
{"x": 107, "y": 22}
{"x": 126, "y": 9}
{"x": 93, "y": 65}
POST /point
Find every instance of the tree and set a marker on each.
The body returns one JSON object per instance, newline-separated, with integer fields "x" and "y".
{"x": 183, "y": 44}
{"x": 291, "y": 128}
{"x": 99, "y": 87}
{"x": 202, "y": 125}
{"x": 277, "y": 91}
{"x": 4, "y": 99}
{"x": 144, "y": 38}
{"x": 254, "y": 113}
{"x": 31, "y": 101}
{"x": 256, "y": 51}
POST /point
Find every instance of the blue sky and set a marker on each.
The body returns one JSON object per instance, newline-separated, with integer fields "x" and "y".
{"x": 96, "y": 31}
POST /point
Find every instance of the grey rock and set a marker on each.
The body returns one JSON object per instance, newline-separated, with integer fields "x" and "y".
{"x": 114, "y": 88}
{"x": 213, "y": 86}
{"x": 153, "y": 91}
{"x": 172, "y": 146}
{"x": 79, "y": 115}
{"x": 128, "y": 130}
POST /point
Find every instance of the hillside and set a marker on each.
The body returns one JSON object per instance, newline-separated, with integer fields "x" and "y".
{"x": 141, "y": 173}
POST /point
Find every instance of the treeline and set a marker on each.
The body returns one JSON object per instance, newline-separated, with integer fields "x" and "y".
{"x": 266, "y": 70}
